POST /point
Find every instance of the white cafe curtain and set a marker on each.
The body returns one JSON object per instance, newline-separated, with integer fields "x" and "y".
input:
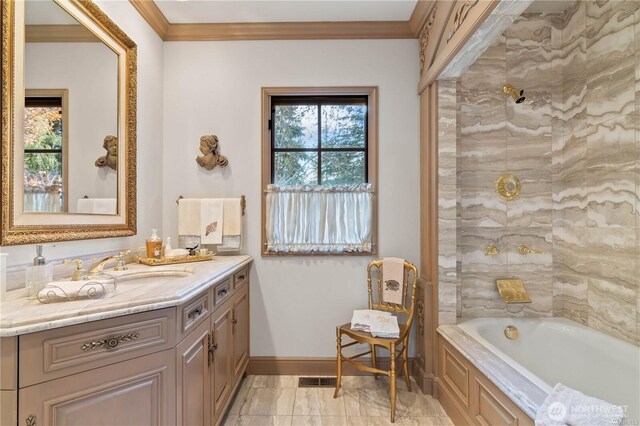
{"x": 323, "y": 219}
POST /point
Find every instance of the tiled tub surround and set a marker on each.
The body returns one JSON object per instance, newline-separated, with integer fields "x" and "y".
{"x": 18, "y": 315}
{"x": 574, "y": 145}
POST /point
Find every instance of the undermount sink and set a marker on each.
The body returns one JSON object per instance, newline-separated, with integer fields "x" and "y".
{"x": 147, "y": 275}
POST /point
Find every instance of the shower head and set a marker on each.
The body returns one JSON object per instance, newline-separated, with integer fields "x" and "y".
{"x": 518, "y": 97}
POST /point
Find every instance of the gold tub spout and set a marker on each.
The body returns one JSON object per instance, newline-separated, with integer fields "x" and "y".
{"x": 513, "y": 291}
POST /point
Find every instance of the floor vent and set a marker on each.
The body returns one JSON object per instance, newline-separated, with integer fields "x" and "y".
{"x": 317, "y": 382}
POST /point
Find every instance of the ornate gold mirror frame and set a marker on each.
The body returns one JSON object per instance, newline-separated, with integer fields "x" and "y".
{"x": 19, "y": 228}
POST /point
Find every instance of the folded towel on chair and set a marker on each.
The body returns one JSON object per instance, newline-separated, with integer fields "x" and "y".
{"x": 566, "y": 406}
{"x": 378, "y": 323}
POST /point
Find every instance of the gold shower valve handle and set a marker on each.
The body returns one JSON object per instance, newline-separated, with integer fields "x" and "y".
{"x": 526, "y": 250}
{"x": 491, "y": 250}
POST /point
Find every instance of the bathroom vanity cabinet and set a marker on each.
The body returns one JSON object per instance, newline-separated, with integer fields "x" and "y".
{"x": 177, "y": 365}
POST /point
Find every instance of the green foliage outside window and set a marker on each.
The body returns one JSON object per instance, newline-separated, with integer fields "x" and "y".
{"x": 43, "y": 131}
{"x": 342, "y": 126}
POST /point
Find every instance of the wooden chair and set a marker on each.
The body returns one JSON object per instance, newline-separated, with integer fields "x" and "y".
{"x": 392, "y": 345}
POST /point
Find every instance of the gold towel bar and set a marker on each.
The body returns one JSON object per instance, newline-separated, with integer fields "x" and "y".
{"x": 243, "y": 203}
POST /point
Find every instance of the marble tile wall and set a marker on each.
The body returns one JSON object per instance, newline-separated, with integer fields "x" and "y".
{"x": 447, "y": 196}
{"x": 574, "y": 144}
{"x": 596, "y": 263}
{"x": 498, "y": 136}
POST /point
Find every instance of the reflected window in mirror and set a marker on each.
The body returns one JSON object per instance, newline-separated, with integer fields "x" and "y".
{"x": 70, "y": 44}
{"x": 45, "y": 151}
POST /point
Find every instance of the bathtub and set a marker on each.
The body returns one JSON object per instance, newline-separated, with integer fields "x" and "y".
{"x": 553, "y": 350}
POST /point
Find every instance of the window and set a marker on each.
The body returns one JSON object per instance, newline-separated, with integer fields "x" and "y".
{"x": 319, "y": 165}
{"x": 318, "y": 140}
{"x": 45, "y": 150}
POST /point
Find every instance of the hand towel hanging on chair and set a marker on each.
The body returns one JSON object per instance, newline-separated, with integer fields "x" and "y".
{"x": 393, "y": 280}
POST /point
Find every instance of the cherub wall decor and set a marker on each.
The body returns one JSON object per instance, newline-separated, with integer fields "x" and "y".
{"x": 110, "y": 159}
{"x": 210, "y": 157}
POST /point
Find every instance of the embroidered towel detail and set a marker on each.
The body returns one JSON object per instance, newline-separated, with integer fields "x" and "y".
{"x": 566, "y": 406}
{"x": 189, "y": 217}
{"x": 211, "y": 217}
{"x": 393, "y": 280}
{"x": 385, "y": 326}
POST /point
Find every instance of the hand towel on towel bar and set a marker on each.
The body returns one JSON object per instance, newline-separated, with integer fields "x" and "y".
{"x": 232, "y": 227}
{"x": 211, "y": 220}
{"x": 393, "y": 277}
{"x": 189, "y": 217}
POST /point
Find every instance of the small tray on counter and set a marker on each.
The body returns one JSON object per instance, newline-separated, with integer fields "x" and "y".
{"x": 150, "y": 261}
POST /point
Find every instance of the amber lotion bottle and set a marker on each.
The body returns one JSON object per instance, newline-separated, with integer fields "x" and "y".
{"x": 154, "y": 245}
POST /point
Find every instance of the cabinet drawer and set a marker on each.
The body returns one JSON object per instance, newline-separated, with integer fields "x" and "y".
{"x": 240, "y": 278}
{"x": 221, "y": 292}
{"x": 59, "y": 352}
{"x": 193, "y": 313}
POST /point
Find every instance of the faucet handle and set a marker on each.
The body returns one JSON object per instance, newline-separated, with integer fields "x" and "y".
{"x": 526, "y": 250}
{"x": 120, "y": 263}
{"x": 79, "y": 273}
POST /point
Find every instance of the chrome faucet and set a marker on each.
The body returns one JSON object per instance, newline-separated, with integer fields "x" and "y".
{"x": 120, "y": 264}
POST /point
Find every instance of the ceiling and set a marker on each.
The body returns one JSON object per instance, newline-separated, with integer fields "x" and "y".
{"x": 239, "y": 11}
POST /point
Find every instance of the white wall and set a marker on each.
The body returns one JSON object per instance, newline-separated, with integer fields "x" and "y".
{"x": 214, "y": 88}
{"x": 150, "y": 69}
{"x": 92, "y": 83}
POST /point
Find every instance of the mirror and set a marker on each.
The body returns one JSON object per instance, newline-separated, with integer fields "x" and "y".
{"x": 69, "y": 94}
{"x": 70, "y": 115}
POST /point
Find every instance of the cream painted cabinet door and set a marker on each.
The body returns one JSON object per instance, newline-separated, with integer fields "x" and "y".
{"x": 240, "y": 331}
{"x": 193, "y": 378}
{"x": 135, "y": 392}
{"x": 222, "y": 380}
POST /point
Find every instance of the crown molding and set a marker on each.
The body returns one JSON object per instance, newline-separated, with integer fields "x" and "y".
{"x": 289, "y": 31}
{"x": 420, "y": 14}
{"x": 153, "y": 15}
{"x": 273, "y": 30}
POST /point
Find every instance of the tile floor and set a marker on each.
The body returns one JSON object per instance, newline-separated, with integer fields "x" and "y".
{"x": 277, "y": 400}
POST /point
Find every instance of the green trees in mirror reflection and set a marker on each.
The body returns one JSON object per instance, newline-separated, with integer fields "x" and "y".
{"x": 42, "y": 132}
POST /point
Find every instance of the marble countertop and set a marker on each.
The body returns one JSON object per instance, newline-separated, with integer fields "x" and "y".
{"x": 524, "y": 393}
{"x": 18, "y": 315}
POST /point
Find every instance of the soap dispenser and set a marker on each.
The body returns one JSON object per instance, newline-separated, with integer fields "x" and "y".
{"x": 38, "y": 275}
{"x": 154, "y": 245}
